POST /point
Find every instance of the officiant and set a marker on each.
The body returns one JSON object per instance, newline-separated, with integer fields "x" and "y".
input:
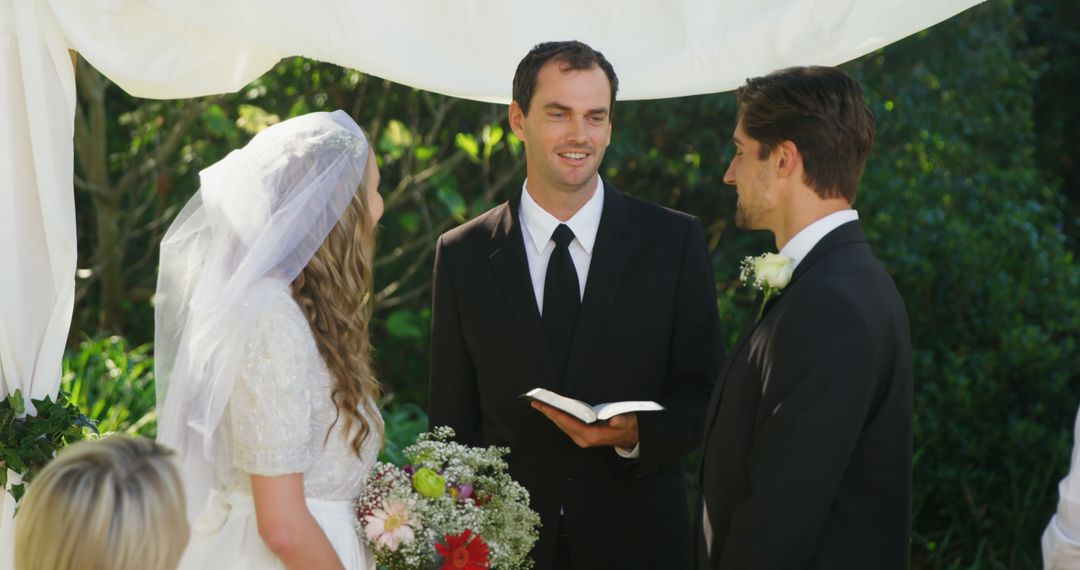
{"x": 575, "y": 287}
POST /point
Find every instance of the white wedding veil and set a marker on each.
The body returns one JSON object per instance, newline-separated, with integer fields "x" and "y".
{"x": 260, "y": 214}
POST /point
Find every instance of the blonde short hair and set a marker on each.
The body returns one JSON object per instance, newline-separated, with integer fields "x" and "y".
{"x": 111, "y": 504}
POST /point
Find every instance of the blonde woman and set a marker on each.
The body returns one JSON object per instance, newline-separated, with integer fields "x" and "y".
{"x": 111, "y": 504}
{"x": 264, "y": 379}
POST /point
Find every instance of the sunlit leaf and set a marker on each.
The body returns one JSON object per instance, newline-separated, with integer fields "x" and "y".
{"x": 254, "y": 119}
{"x": 467, "y": 143}
{"x": 491, "y": 135}
{"x": 395, "y": 139}
{"x": 514, "y": 143}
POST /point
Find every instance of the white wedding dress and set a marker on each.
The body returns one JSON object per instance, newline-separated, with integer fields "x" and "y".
{"x": 278, "y": 417}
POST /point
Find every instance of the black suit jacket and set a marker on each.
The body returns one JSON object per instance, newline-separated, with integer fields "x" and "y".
{"x": 807, "y": 453}
{"x": 647, "y": 330}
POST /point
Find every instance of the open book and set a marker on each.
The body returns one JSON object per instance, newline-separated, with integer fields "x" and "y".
{"x": 585, "y": 412}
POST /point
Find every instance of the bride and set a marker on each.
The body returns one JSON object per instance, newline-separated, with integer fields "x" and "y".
{"x": 263, "y": 358}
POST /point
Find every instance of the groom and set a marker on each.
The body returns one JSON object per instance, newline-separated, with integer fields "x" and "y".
{"x": 576, "y": 287}
{"x": 807, "y": 454}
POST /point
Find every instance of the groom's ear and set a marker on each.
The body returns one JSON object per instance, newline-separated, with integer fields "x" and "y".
{"x": 788, "y": 159}
{"x": 516, "y": 116}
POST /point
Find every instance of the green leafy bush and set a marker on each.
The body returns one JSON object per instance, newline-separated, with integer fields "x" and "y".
{"x": 970, "y": 228}
{"x": 404, "y": 421}
{"x": 113, "y": 385}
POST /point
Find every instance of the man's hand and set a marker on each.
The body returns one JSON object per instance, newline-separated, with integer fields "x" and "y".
{"x": 619, "y": 431}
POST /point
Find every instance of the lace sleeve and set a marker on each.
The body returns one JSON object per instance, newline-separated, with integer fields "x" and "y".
{"x": 270, "y": 407}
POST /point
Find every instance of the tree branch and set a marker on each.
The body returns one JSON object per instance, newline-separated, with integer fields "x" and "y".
{"x": 180, "y": 127}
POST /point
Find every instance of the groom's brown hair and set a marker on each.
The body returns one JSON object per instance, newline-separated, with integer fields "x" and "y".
{"x": 821, "y": 110}
{"x": 572, "y": 55}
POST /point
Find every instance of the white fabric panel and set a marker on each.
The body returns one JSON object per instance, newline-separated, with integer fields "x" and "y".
{"x": 470, "y": 48}
{"x": 165, "y": 50}
{"x": 37, "y": 210}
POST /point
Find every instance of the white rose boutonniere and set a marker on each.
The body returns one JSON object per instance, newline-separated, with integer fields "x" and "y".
{"x": 768, "y": 272}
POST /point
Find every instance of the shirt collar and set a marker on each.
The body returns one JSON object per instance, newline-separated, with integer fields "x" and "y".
{"x": 539, "y": 224}
{"x": 804, "y": 241}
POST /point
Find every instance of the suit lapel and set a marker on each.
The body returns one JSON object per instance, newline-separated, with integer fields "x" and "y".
{"x": 611, "y": 254}
{"x": 512, "y": 270}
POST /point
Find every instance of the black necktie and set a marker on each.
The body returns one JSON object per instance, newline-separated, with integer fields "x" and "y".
{"x": 562, "y": 297}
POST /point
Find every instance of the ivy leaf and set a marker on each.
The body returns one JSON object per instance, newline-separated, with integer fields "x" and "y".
{"x": 15, "y": 400}
{"x": 15, "y": 463}
{"x": 30, "y": 442}
{"x": 7, "y": 415}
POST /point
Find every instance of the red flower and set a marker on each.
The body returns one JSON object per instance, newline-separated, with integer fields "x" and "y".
{"x": 465, "y": 551}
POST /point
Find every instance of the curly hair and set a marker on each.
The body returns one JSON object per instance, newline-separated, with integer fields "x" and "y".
{"x": 335, "y": 292}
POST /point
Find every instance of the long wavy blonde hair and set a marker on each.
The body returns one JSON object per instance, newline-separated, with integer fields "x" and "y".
{"x": 335, "y": 292}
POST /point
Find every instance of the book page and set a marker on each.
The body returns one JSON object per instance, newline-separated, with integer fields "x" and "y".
{"x": 576, "y": 408}
{"x": 612, "y": 409}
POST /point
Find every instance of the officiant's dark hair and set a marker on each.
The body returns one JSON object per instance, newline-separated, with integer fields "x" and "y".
{"x": 573, "y": 55}
{"x": 821, "y": 110}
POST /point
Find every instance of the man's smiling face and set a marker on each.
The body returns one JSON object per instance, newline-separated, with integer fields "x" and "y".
{"x": 567, "y": 129}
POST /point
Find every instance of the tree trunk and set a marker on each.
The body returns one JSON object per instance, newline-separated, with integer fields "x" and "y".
{"x": 108, "y": 258}
{"x": 92, "y": 153}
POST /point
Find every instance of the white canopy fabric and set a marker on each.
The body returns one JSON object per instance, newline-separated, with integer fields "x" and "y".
{"x": 470, "y": 48}
{"x": 465, "y": 48}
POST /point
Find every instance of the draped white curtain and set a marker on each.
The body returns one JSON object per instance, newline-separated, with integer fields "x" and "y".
{"x": 37, "y": 209}
{"x": 465, "y": 48}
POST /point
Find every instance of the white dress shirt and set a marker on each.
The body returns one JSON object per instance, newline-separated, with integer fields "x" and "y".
{"x": 804, "y": 241}
{"x": 537, "y": 225}
{"x": 1061, "y": 540}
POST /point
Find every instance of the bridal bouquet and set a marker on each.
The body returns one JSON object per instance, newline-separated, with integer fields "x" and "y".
{"x": 452, "y": 506}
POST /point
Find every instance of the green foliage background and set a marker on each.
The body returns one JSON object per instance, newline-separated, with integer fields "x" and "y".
{"x": 970, "y": 199}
